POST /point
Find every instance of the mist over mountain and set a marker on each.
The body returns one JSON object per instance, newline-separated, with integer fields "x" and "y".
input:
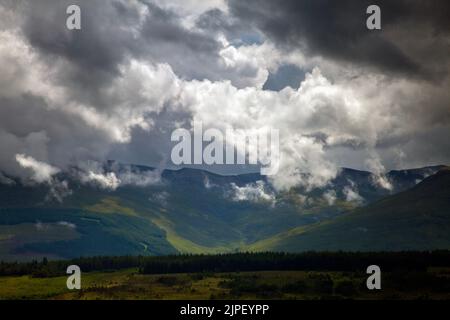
{"x": 340, "y": 95}
{"x": 122, "y": 209}
{"x": 415, "y": 219}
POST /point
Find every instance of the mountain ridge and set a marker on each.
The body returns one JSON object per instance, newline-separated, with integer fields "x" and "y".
{"x": 415, "y": 219}
{"x": 186, "y": 211}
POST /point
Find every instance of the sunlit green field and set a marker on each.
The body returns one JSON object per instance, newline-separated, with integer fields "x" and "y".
{"x": 129, "y": 284}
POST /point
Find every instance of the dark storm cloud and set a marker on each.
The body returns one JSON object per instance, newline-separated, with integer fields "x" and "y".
{"x": 337, "y": 30}
{"x": 91, "y": 56}
{"x": 117, "y": 88}
{"x": 101, "y": 44}
{"x": 236, "y": 30}
{"x": 166, "y": 40}
{"x": 80, "y": 71}
{"x": 29, "y": 126}
{"x": 111, "y": 32}
{"x": 115, "y": 30}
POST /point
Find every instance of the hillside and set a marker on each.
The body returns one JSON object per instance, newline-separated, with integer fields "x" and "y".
{"x": 416, "y": 219}
{"x": 185, "y": 211}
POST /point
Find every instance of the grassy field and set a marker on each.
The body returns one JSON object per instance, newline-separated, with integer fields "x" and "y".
{"x": 129, "y": 284}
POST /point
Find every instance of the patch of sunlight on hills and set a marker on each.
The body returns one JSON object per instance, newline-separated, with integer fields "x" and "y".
{"x": 111, "y": 205}
{"x": 273, "y": 242}
{"x": 184, "y": 245}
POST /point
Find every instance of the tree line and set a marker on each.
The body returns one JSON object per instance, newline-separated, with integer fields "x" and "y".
{"x": 235, "y": 262}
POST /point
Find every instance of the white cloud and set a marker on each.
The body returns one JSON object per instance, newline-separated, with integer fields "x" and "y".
{"x": 330, "y": 197}
{"x": 114, "y": 176}
{"x": 296, "y": 113}
{"x": 58, "y": 190}
{"x": 253, "y": 192}
{"x": 351, "y": 193}
{"x": 378, "y": 178}
{"x": 107, "y": 181}
{"x": 22, "y": 69}
{"x": 208, "y": 184}
{"x": 40, "y": 171}
{"x": 336, "y": 107}
{"x": 141, "y": 89}
{"x": 140, "y": 179}
{"x": 244, "y": 63}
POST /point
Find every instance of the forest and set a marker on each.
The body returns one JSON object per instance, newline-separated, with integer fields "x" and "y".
{"x": 237, "y": 262}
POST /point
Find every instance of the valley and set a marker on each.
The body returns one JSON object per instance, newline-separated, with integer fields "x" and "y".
{"x": 194, "y": 211}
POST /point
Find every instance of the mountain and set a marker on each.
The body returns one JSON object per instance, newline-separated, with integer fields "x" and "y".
{"x": 173, "y": 211}
{"x": 416, "y": 219}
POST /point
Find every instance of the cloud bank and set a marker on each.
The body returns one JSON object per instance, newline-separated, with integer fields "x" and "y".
{"x": 139, "y": 69}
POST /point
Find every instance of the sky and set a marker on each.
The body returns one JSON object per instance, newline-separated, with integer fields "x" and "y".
{"x": 339, "y": 94}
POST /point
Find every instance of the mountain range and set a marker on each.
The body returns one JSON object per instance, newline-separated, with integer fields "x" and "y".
{"x": 195, "y": 211}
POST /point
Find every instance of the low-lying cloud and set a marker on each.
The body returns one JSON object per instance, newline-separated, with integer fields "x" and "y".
{"x": 138, "y": 70}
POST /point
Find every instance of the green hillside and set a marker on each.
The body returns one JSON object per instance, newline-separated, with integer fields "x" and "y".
{"x": 194, "y": 211}
{"x": 416, "y": 219}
